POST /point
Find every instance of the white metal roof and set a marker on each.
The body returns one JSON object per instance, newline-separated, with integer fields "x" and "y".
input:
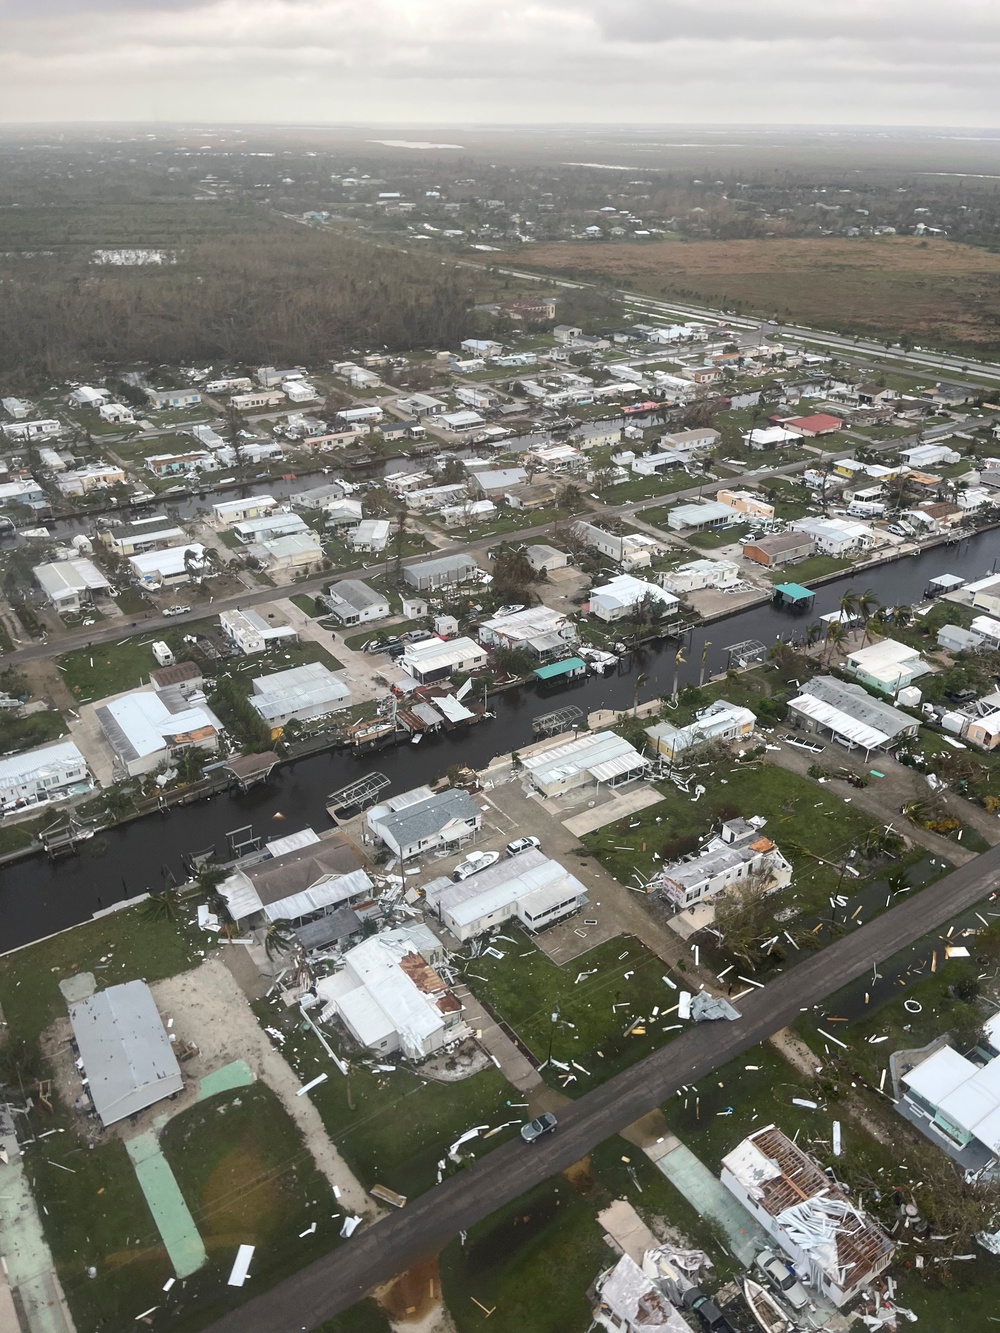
{"x": 505, "y": 884}
{"x": 45, "y": 760}
{"x": 966, "y": 1093}
{"x": 839, "y": 722}
{"x": 66, "y": 578}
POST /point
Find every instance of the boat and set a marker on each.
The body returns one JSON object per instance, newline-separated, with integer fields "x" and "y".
{"x": 598, "y": 660}
{"x": 765, "y": 1309}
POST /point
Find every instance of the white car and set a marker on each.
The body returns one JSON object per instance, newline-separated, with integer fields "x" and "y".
{"x": 473, "y": 863}
{"x": 520, "y": 845}
{"x": 782, "y": 1278}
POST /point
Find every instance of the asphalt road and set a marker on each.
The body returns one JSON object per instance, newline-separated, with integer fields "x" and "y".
{"x": 334, "y": 1283}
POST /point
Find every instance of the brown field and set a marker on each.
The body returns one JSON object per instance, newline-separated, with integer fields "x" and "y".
{"x": 938, "y": 292}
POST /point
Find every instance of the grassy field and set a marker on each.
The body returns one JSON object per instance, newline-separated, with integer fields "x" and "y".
{"x": 94, "y": 673}
{"x": 23, "y": 733}
{"x": 936, "y": 291}
{"x": 812, "y": 826}
{"x": 248, "y": 1179}
{"x": 596, "y": 1012}
{"x": 394, "y": 1128}
{"x": 813, "y": 567}
{"x": 532, "y": 1262}
{"x": 117, "y": 948}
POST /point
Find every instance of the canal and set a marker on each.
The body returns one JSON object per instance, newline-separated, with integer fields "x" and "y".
{"x": 38, "y": 897}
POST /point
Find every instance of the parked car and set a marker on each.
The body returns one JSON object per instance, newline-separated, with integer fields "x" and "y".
{"x": 782, "y": 1278}
{"x": 473, "y": 863}
{"x": 176, "y": 610}
{"x": 896, "y": 530}
{"x": 384, "y": 645}
{"x": 710, "y": 1317}
{"x": 416, "y": 636}
{"x": 520, "y": 845}
{"x": 534, "y": 1129}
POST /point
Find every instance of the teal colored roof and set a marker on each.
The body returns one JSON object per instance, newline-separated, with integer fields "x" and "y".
{"x": 794, "y": 591}
{"x": 561, "y": 668}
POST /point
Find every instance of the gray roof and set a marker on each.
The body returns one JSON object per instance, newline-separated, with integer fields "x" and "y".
{"x": 427, "y": 817}
{"x": 336, "y": 926}
{"x": 859, "y": 704}
{"x": 445, "y": 564}
{"x": 147, "y": 527}
{"x": 126, "y": 1053}
{"x": 356, "y": 594}
{"x": 783, "y": 541}
{"x": 283, "y": 876}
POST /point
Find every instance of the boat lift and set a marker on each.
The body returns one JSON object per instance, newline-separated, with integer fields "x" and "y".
{"x": 362, "y": 793}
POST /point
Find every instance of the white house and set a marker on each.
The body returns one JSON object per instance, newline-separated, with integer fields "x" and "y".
{"x": 371, "y": 534}
{"x": 434, "y": 659}
{"x": 177, "y": 564}
{"x": 147, "y": 728}
{"x": 160, "y": 398}
{"x": 720, "y": 721}
{"x": 538, "y": 629}
{"x": 268, "y": 527}
{"x": 300, "y": 694}
{"x": 887, "y": 666}
{"x": 48, "y": 773}
{"x": 229, "y": 512}
{"x": 251, "y": 633}
{"x": 929, "y": 455}
{"x": 725, "y": 862}
{"x": 831, "y": 1241}
{"x": 420, "y": 820}
{"x": 85, "y": 396}
{"x": 286, "y": 555}
{"x": 618, "y": 598}
{"x": 529, "y": 887}
{"x": 302, "y": 877}
{"x": 389, "y": 996}
{"x": 632, "y": 550}
{"x": 699, "y": 515}
{"x": 70, "y": 584}
{"x": 353, "y": 602}
{"x": 956, "y": 1103}
{"x": 837, "y": 536}
{"x": 595, "y": 757}
{"x": 698, "y": 574}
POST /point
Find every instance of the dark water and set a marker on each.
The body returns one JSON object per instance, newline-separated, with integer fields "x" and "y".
{"x": 38, "y": 897}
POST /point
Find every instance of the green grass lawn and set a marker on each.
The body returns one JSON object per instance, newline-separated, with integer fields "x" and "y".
{"x": 393, "y": 1129}
{"x": 813, "y": 567}
{"x": 533, "y": 1261}
{"x": 280, "y": 658}
{"x": 805, "y": 820}
{"x": 95, "y": 1216}
{"x": 639, "y": 488}
{"x": 132, "y": 943}
{"x": 712, "y": 540}
{"x": 305, "y": 603}
{"x": 131, "y": 601}
{"x": 382, "y": 629}
{"x": 23, "y": 733}
{"x": 526, "y": 990}
{"x": 248, "y": 1179}
{"x": 15, "y": 836}
{"x": 365, "y": 1317}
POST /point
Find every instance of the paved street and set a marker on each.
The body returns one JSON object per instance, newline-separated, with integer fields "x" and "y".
{"x": 332, "y": 1284}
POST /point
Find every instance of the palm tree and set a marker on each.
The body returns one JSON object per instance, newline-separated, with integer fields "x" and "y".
{"x": 848, "y": 606}
{"x": 901, "y": 616}
{"x": 640, "y": 680}
{"x": 814, "y": 633}
{"x": 278, "y": 938}
{"x": 679, "y": 660}
{"x": 867, "y": 604}
{"x": 161, "y": 906}
{"x": 836, "y": 637}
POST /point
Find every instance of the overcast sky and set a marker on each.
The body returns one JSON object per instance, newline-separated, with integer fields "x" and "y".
{"x": 893, "y": 62}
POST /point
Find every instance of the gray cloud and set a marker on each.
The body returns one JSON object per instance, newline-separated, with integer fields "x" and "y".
{"x": 863, "y": 61}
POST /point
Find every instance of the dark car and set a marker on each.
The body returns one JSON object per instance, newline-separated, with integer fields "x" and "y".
{"x": 709, "y": 1315}
{"x": 534, "y": 1129}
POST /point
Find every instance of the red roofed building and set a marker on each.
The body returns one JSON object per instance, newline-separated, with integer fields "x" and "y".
{"x": 820, "y": 424}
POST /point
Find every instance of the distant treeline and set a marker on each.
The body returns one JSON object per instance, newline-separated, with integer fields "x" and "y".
{"x": 294, "y": 296}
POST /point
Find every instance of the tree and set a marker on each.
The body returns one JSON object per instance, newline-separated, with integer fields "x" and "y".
{"x": 867, "y": 605}
{"x": 278, "y": 938}
{"x": 234, "y": 423}
{"x": 814, "y": 633}
{"x": 836, "y": 637}
{"x": 954, "y": 1206}
{"x": 848, "y": 605}
{"x": 161, "y": 906}
{"x": 744, "y": 918}
{"x": 513, "y": 574}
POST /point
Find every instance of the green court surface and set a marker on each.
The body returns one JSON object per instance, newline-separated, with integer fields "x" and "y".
{"x": 237, "y": 1074}
{"x": 166, "y": 1203}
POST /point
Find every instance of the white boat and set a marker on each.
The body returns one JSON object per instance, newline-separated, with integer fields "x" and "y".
{"x": 765, "y": 1309}
{"x": 598, "y": 660}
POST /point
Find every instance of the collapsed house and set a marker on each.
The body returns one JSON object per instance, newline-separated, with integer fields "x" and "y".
{"x": 831, "y": 1241}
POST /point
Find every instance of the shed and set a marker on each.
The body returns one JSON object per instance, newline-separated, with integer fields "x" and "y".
{"x": 554, "y": 672}
{"x": 125, "y": 1050}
